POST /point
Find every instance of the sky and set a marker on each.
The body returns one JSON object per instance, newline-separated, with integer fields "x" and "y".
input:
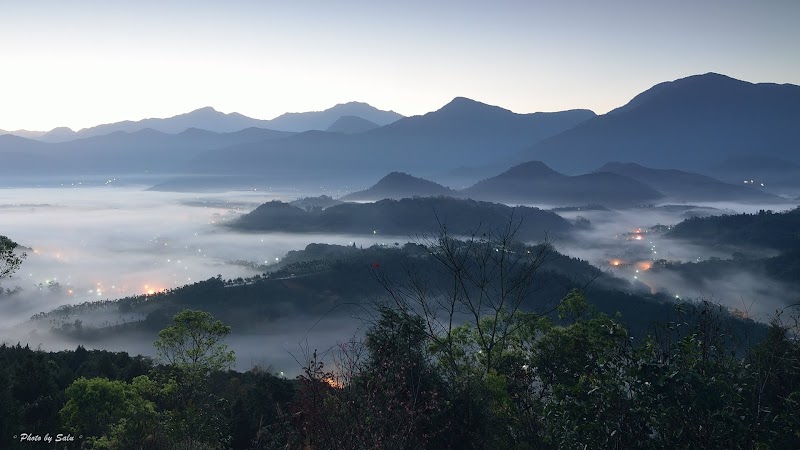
{"x": 80, "y": 63}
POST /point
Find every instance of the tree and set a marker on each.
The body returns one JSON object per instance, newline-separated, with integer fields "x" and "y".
{"x": 194, "y": 343}
{"x": 193, "y": 349}
{"x": 382, "y": 393}
{"x": 470, "y": 305}
{"x": 488, "y": 274}
{"x": 109, "y": 413}
{"x": 10, "y": 260}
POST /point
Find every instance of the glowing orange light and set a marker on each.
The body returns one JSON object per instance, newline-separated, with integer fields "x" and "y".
{"x": 148, "y": 290}
{"x": 332, "y": 382}
{"x": 644, "y": 265}
{"x": 615, "y": 262}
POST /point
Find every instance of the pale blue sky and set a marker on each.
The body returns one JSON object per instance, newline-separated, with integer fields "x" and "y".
{"x": 80, "y": 63}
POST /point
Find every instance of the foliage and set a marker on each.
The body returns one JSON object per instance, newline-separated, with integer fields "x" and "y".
{"x": 194, "y": 343}
{"x": 9, "y": 259}
{"x": 382, "y": 394}
{"x": 105, "y": 411}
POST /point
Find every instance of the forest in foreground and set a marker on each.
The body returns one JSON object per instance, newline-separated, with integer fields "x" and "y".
{"x": 459, "y": 364}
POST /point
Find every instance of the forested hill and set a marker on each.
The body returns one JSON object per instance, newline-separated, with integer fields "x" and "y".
{"x": 330, "y": 280}
{"x": 768, "y": 229}
{"x": 308, "y": 282}
{"x": 406, "y": 217}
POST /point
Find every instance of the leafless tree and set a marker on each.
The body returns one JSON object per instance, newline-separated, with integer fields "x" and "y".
{"x": 487, "y": 274}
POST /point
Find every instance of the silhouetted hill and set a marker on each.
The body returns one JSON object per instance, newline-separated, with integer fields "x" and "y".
{"x": 779, "y": 231}
{"x": 406, "y": 217}
{"x": 351, "y": 125}
{"x": 682, "y": 186}
{"x": 463, "y": 130}
{"x": 399, "y": 185}
{"x": 310, "y": 282}
{"x": 322, "y": 120}
{"x": 689, "y": 123}
{"x": 535, "y": 182}
{"x": 470, "y": 119}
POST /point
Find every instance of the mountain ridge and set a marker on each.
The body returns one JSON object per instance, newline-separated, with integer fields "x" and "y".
{"x": 688, "y": 187}
{"x": 534, "y": 182}
{"x": 208, "y": 118}
{"x": 689, "y": 123}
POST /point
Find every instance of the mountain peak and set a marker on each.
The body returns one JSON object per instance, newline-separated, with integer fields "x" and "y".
{"x": 351, "y": 125}
{"x": 398, "y": 176}
{"x": 205, "y": 110}
{"x": 464, "y": 103}
{"x": 397, "y": 179}
{"x": 400, "y": 185}
{"x": 62, "y": 130}
{"x": 693, "y": 86}
{"x": 464, "y": 100}
{"x": 353, "y": 103}
{"x": 530, "y": 169}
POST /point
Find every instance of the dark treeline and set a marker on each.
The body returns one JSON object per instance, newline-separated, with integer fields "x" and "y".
{"x": 746, "y": 236}
{"x": 34, "y": 387}
{"x": 768, "y": 229}
{"x": 783, "y": 268}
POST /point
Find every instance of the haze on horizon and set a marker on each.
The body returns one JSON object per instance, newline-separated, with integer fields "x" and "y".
{"x": 84, "y": 63}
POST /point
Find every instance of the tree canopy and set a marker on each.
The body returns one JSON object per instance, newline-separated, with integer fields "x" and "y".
{"x": 10, "y": 260}
{"x": 194, "y": 342}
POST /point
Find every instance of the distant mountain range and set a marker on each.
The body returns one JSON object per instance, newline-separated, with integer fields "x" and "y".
{"x": 535, "y": 183}
{"x": 210, "y": 119}
{"x": 699, "y": 124}
{"x": 691, "y": 123}
{"x": 613, "y": 185}
{"x": 120, "y": 152}
{"x": 462, "y": 130}
{"x": 323, "y": 120}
